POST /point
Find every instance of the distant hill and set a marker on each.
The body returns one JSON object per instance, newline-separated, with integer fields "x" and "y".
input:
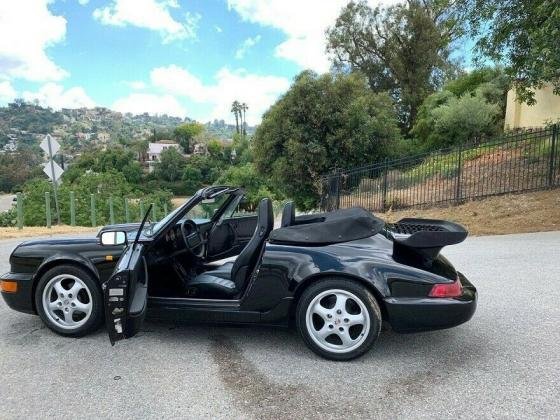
{"x": 23, "y": 123}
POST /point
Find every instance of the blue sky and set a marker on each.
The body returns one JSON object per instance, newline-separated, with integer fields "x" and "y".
{"x": 180, "y": 57}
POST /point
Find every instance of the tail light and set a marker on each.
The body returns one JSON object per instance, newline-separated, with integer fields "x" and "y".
{"x": 447, "y": 290}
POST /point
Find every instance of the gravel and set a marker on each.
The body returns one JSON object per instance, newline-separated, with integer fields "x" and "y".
{"x": 505, "y": 362}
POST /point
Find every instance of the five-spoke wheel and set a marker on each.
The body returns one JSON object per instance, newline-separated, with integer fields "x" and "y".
{"x": 69, "y": 300}
{"x": 338, "y": 318}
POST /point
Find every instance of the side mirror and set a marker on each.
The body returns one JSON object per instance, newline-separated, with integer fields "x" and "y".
{"x": 113, "y": 238}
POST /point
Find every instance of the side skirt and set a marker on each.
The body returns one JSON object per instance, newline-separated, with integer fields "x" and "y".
{"x": 215, "y": 311}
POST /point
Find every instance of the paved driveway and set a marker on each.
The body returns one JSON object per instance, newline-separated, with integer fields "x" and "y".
{"x": 6, "y": 201}
{"x": 505, "y": 362}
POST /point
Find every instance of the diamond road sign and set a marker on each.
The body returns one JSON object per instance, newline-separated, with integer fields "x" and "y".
{"x": 55, "y": 146}
{"x": 57, "y": 170}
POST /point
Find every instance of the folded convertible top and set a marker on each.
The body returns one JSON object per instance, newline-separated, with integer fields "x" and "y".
{"x": 330, "y": 228}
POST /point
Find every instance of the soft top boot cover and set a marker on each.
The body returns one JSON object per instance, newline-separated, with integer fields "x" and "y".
{"x": 330, "y": 228}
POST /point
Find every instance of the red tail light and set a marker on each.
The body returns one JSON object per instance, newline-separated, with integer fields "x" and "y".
{"x": 447, "y": 290}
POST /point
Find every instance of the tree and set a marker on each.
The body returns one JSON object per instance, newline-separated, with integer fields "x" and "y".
{"x": 18, "y": 167}
{"x": 524, "y": 35}
{"x": 170, "y": 166}
{"x": 256, "y": 186}
{"x": 236, "y": 110}
{"x": 185, "y": 133}
{"x": 244, "y": 108}
{"x": 403, "y": 49}
{"x": 445, "y": 119}
{"x": 99, "y": 161}
{"x": 321, "y": 123}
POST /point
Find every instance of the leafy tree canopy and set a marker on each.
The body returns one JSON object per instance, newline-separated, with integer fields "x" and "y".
{"x": 185, "y": 133}
{"x": 170, "y": 166}
{"x": 256, "y": 186}
{"x": 445, "y": 119}
{"x": 524, "y": 35}
{"x": 321, "y": 123}
{"x": 403, "y": 49}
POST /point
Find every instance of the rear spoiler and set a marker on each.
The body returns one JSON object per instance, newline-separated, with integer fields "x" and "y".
{"x": 420, "y": 240}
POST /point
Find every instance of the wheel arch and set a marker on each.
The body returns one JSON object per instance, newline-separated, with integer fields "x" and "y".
{"x": 308, "y": 281}
{"x": 55, "y": 262}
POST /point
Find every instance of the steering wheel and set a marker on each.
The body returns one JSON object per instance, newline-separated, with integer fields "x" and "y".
{"x": 192, "y": 238}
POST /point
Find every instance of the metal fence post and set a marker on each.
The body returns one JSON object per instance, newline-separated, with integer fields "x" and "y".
{"x": 72, "y": 209}
{"x": 93, "y": 212}
{"x": 338, "y": 182}
{"x": 126, "y": 211}
{"x": 384, "y": 196}
{"x": 552, "y": 155}
{"x": 19, "y": 205}
{"x": 48, "y": 208}
{"x": 459, "y": 170}
{"x": 141, "y": 209}
{"x": 111, "y": 211}
{"x": 154, "y": 212}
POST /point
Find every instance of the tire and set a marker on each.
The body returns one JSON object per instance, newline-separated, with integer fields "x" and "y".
{"x": 335, "y": 335}
{"x": 69, "y": 301}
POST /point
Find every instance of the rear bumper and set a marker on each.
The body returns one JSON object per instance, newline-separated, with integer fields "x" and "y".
{"x": 425, "y": 314}
{"x": 22, "y": 299}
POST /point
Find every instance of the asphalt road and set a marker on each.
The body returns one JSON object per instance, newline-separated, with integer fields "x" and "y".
{"x": 505, "y": 362}
{"x": 6, "y": 201}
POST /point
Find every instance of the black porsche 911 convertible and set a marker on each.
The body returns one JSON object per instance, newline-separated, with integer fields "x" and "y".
{"x": 335, "y": 276}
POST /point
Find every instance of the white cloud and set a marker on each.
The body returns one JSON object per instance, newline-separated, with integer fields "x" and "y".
{"x": 136, "y": 84}
{"x": 150, "y": 14}
{"x": 139, "y": 103}
{"x": 303, "y": 22}
{"x": 259, "y": 92}
{"x": 27, "y": 29}
{"x": 55, "y": 96}
{"x": 83, "y": 2}
{"x": 7, "y": 92}
{"x": 246, "y": 45}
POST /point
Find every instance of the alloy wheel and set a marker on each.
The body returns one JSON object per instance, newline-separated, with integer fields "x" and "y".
{"x": 67, "y": 301}
{"x": 337, "y": 321}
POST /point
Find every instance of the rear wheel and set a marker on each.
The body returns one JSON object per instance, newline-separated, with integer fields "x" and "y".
{"x": 69, "y": 301}
{"x": 339, "y": 319}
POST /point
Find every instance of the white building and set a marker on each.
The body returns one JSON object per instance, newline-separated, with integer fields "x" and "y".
{"x": 155, "y": 149}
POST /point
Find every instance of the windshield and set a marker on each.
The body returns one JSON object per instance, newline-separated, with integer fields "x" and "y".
{"x": 154, "y": 228}
{"x": 204, "y": 210}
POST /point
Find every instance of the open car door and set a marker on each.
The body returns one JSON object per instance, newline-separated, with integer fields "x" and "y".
{"x": 126, "y": 294}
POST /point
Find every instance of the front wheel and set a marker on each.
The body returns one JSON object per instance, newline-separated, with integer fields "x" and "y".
{"x": 339, "y": 319}
{"x": 69, "y": 301}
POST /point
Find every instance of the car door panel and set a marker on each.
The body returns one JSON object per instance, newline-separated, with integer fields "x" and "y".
{"x": 126, "y": 295}
{"x": 230, "y": 236}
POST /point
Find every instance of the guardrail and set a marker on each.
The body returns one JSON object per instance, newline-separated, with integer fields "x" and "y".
{"x": 126, "y": 215}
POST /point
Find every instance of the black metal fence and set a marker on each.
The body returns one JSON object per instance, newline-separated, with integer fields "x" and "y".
{"x": 520, "y": 161}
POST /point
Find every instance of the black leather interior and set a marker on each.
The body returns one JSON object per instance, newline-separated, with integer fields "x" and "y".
{"x": 231, "y": 278}
{"x": 288, "y": 214}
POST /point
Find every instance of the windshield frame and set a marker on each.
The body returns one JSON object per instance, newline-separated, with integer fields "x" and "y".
{"x": 172, "y": 218}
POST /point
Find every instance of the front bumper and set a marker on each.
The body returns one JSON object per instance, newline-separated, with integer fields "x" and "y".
{"x": 425, "y": 314}
{"x": 22, "y": 299}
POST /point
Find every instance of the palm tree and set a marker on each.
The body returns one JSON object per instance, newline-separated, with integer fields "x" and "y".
{"x": 244, "y": 108}
{"x": 236, "y": 109}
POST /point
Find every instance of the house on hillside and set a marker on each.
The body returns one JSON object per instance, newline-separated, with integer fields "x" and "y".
{"x": 155, "y": 150}
{"x": 545, "y": 111}
{"x": 200, "y": 149}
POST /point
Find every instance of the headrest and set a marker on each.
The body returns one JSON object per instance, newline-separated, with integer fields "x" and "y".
{"x": 288, "y": 214}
